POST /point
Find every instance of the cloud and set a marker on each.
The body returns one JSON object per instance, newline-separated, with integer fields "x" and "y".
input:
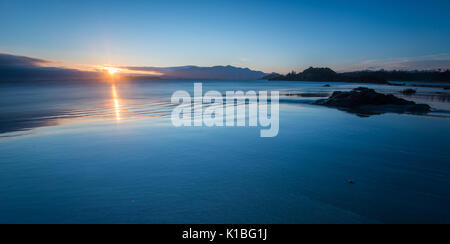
{"x": 14, "y": 61}
{"x": 21, "y": 68}
{"x": 428, "y": 62}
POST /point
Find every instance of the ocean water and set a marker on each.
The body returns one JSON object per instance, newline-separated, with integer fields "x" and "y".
{"x": 74, "y": 152}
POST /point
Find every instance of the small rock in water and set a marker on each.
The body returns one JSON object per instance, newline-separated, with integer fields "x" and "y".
{"x": 409, "y": 92}
{"x": 351, "y": 182}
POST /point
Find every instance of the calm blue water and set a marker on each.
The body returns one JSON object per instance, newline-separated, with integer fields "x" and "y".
{"x": 82, "y": 153}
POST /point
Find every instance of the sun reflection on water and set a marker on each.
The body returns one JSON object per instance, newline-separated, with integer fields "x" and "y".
{"x": 116, "y": 102}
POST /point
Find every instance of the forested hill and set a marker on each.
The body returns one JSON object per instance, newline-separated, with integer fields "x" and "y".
{"x": 327, "y": 74}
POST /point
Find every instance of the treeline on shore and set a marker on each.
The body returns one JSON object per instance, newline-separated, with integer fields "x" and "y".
{"x": 382, "y": 76}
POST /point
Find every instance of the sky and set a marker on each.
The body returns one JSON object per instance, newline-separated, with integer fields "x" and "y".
{"x": 271, "y": 36}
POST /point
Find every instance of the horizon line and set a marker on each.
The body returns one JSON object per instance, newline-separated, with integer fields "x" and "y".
{"x": 43, "y": 62}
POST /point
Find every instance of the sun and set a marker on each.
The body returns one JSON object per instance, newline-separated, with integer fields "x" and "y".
{"x": 111, "y": 70}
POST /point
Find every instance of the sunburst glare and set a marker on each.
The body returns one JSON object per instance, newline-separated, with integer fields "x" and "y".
{"x": 111, "y": 70}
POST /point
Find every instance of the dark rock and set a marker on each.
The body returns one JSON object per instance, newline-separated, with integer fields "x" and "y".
{"x": 327, "y": 85}
{"x": 351, "y": 182}
{"x": 409, "y": 92}
{"x": 365, "y": 101}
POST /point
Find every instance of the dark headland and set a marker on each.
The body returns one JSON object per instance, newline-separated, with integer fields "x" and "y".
{"x": 378, "y": 77}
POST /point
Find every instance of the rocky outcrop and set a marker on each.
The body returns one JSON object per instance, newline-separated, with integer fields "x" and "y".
{"x": 365, "y": 101}
{"x": 409, "y": 92}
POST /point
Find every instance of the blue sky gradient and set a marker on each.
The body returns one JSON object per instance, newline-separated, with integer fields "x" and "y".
{"x": 264, "y": 35}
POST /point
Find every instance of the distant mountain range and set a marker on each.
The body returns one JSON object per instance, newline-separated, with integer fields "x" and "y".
{"x": 21, "y": 68}
{"x": 204, "y": 73}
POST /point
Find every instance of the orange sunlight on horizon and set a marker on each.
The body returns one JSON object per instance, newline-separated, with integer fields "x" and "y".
{"x": 111, "y": 70}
